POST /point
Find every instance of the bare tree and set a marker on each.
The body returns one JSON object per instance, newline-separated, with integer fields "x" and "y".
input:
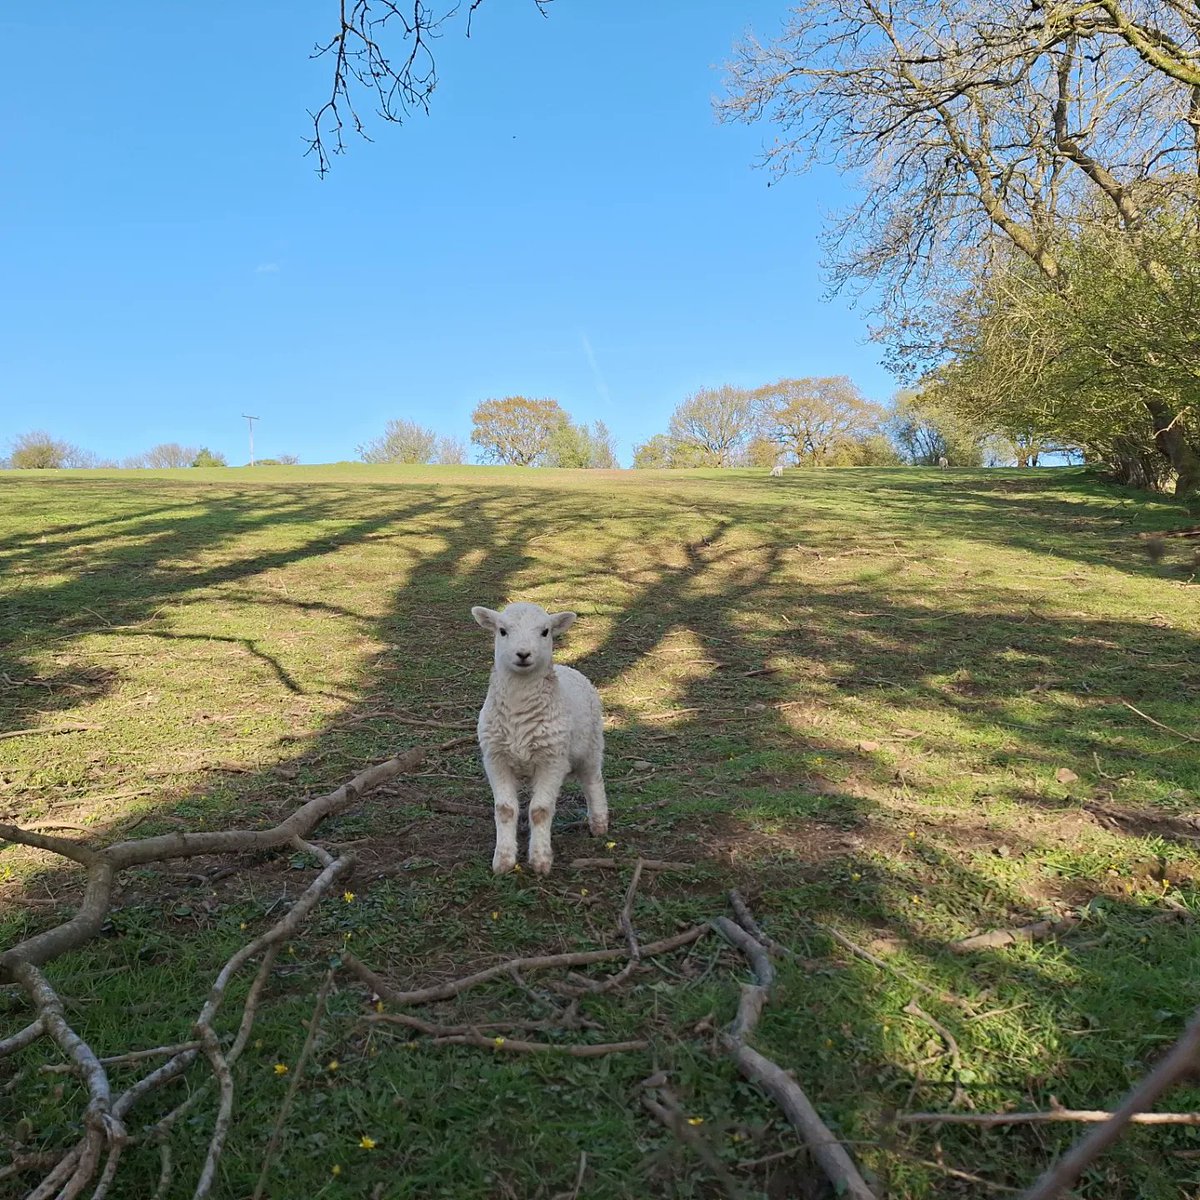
{"x": 40, "y": 451}
{"x": 164, "y": 455}
{"x": 403, "y": 441}
{"x": 972, "y": 126}
{"x": 451, "y": 451}
{"x": 517, "y": 430}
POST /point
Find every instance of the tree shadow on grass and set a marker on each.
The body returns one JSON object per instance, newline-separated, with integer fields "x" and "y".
{"x": 801, "y": 784}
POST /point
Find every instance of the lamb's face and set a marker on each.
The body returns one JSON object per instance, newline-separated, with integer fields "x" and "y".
{"x": 524, "y": 636}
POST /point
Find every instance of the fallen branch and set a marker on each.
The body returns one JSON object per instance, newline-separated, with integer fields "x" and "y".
{"x": 996, "y": 938}
{"x": 826, "y": 1150}
{"x": 1179, "y": 1062}
{"x": 103, "y": 1117}
{"x": 455, "y": 987}
{"x": 45, "y": 730}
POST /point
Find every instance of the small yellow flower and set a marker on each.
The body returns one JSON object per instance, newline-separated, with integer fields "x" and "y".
{"x": 348, "y": 897}
{"x": 367, "y": 1143}
{"x": 610, "y": 845}
{"x": 829, "y": 1043}
{"x": 517, "y": 868}
{"x": 335, "y": 1170}
{"x": 912, "y": 833}
{"x": 332, "y": 1065}
{"x": 410, "y": 1045}
{"x": 498, "y": 1041}
{"x": 855, "y": 876}
{"x": 495, "y": 915}
{"x": 258, "y": 1043}
{"x": 583, "y": 891}
{"x": 695, "y": 1120}
{"x": 887, "y": 1029}
{"x": 915, "y": 899}
{"x": 242, "y": 925}
{"x": 292, "y": 951}
{"x": 379, "y": 1006}
{"x": 281, "y": 1069}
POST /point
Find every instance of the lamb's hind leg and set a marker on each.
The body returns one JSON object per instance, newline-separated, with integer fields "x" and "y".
{"x": 547, "y": 782}
{"x": 506, "y": 794}
{"x": 592, "y": 782}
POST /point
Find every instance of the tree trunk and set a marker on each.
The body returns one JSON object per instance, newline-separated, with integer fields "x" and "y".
{"x": 1171, "y": 438}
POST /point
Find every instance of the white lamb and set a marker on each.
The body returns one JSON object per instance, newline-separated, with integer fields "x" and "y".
{"x": 539, "y": 723}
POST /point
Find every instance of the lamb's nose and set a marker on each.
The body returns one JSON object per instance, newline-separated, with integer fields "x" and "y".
{"x": 523, "y": 655}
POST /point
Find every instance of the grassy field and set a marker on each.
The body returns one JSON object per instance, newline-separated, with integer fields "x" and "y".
{"x": 889, "y": 702}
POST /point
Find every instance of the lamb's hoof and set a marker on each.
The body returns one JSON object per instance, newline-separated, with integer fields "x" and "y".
{"x": 503, "y": 862}
{"x": 598, "y": 827}
{"x": 541, "y": 866}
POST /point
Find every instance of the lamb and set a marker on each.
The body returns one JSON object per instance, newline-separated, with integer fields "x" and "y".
{"x": 540, "y": 722}
{"x": 943, "y": 461}
{"x": 777, "y": 470}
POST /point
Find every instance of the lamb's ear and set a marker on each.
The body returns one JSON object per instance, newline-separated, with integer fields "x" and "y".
{"x": 488, "y": 618}
{"x": 561, "y": 622}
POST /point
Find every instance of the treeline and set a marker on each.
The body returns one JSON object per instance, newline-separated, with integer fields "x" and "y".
{"x": 515, "y": 431}
{"x": 1027, "y": 224}
{"x": 41, "y": 451}
{"x": 824, "y": 422}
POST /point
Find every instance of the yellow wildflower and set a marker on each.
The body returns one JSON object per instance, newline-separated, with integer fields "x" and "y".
{"x": 379, "y": 1006}
{"x": 583, "y": 891}
{"x": 695, "y": 1120}
{"x": 348, "y": 897}
{"x": 335, "y": 1169}
{"x": 367, "y": 1143}
{"x": 281, "y": 1069}
{"x": 495, "y": 915}
{"x": 332, "y": 1065}
{"x": 610, "y": 845}
{"x": 242, "y": 925}
{"x": 517, "y": 868}
{"x": 855, "y": 876}
{"x": 499, "y": 1041}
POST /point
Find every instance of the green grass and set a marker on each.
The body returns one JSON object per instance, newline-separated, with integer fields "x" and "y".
{"x": 939, "y": 644}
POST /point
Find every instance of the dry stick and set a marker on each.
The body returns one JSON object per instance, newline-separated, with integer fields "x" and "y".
{"x": 625, "y": 920}
{"x": 455, "y": 987}
{"x": 574, "y": 1049}
{"x": 48, "y": 729}
{"x": 1187, "y": 737}
{"x": 648, "y": 864}
{"x": 22, "y": 1038}
{"x": 954, "y": 1173}
{"x": 434, "y": 1030}
{"x": 960, "y": 1096}
{"x": 996, "y": 938}
{"x": 1084, "y": 1116}
{"x": 314, "y": 1023}
{"x": 787, "y": 1093}
{"x": 131, "y": 1056}
{"x": 1179, "y": 1062}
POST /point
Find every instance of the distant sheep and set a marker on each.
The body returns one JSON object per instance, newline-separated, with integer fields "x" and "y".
{"x": 943, "y": 461}
{"x": 777, "y": 470}
{"x": 539, "y": 723}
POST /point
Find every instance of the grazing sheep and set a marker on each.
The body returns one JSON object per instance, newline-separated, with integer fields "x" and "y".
{"x": 777, "y": 470}
{"x": 539, "y": 723}
{"x": 943, "y": 461}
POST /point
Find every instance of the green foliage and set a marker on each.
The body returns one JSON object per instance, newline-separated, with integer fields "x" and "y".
{"x": 713, "y": 426}
{"x": 517, "y": 431}
{"x": 926, "y": 429}
{"x": 817, "y": 421}
{"x": 206, "y": 458}
{"x": 580, "y": 447}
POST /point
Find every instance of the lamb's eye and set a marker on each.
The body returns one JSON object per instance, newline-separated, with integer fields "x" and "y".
{"x": 545, "y": 632}
{"x": 504, "y": 633}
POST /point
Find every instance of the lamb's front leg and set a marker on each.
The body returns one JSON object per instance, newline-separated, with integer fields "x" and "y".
{"x": 506, "y": 795}
{"x": 547, "y": 782}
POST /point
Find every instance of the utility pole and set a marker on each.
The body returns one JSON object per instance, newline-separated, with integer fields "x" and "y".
{"x": 250, "y": 421}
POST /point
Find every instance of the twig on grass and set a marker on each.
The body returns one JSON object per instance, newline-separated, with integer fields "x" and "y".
{"x": 960, "y": 1096}
{"x": 665, "y": 1108}
{"x": 314, "y": 1023}
{"x": 826, "y": 1150}
{"x": 1046, "y": 1116}
{"x": 455, "y": 987}
{"x": 648, "y": 864}
{"x": 573, "y": 1049}
{"x": 45, "y": 730}
{"x": 995, "y": 938}
{"x": 1187, "y": 737}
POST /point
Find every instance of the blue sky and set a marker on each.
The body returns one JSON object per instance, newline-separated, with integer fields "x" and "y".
{"x": 570, "y": 221}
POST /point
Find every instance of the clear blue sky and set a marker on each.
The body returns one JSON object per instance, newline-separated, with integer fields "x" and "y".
{"x": 570, "y": 221}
